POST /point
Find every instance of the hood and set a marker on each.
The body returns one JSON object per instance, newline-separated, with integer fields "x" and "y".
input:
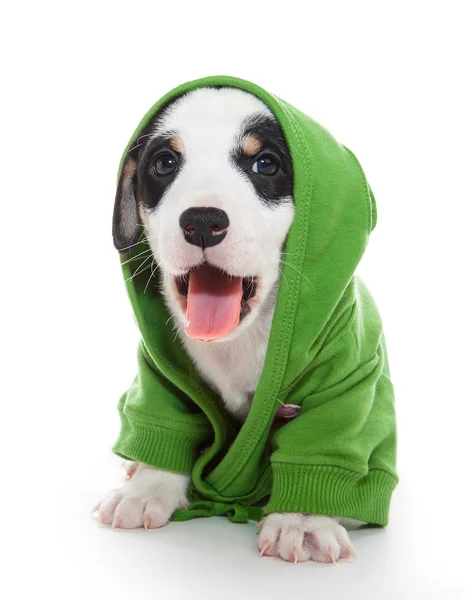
{"x": 334, "y": 215}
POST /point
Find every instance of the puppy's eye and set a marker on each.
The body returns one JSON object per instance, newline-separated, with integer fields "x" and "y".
{"x": 266, "y": 164}
{"x": 165, "y": 164}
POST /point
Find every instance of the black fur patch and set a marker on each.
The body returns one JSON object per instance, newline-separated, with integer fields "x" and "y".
{"x": 146, "y": 186}
{"x": 149, "y": 186}
{"x": 270, "y": 188}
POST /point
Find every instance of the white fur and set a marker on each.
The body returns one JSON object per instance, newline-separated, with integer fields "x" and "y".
{"x": 233, "y": 368}
{"x": 148, "y": 499}
{"x": 208, "y": 122}
{"x": 298, "y": 537}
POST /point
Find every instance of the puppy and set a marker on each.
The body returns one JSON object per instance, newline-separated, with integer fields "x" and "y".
{"x": 213, "y": 180}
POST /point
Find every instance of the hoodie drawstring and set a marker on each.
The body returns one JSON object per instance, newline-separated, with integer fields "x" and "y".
{"x": 237, "y": 513}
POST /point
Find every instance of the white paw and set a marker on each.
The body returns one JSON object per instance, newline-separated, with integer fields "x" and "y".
{"x": 298, "y": 537}
{"x": 147, "y": 500}
{"x": 129, "y": 467}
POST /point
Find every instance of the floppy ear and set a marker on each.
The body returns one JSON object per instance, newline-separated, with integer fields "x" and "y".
{"x": 126, "y": 222}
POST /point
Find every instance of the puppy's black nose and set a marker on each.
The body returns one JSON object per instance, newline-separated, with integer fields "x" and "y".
{"x": 204, "y": 226}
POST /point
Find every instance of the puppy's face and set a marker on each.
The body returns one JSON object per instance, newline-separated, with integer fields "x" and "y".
{"x": 210, "y": 179}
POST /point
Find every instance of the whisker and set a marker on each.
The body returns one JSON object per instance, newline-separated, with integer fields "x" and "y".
{"x": 138, "y": 271}
{"x": 298, "y": 271}
{"x": 141, "y": 241}
{"x": 136, "y": 256}
{"x": 285, "y": 278}
{"x": 152, "y": 274}
{"x": 132, "y": 245}
{"x": 178, "y": 333}
{"x": 169, "y": 319}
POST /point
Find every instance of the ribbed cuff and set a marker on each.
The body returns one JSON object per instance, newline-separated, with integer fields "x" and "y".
{"x": 157, "y": 446}
{"x": 333, "y": 491}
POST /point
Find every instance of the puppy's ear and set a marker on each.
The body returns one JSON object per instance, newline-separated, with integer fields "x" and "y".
{"x": 126, "y": 222}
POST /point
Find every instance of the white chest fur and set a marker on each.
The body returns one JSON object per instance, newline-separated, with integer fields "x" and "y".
{"x": 233, "y": 368}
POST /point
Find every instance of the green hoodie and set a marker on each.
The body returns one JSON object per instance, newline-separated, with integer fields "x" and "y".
{"x": 326, "y": 353}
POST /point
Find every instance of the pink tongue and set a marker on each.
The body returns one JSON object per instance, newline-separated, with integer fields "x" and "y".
{"x": 213, "y": 303}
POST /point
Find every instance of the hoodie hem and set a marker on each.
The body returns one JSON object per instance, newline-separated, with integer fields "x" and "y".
{"x": 333, "y": 491}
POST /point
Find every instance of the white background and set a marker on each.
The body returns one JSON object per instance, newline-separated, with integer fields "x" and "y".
{"x": 386, "y": 79}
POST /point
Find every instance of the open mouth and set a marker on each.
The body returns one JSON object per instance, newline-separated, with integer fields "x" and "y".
{"x": 215, "y": 302}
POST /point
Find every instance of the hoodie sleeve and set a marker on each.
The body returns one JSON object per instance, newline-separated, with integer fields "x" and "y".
{"x": 337, "y": 457}
{"x": 160, "y": 425}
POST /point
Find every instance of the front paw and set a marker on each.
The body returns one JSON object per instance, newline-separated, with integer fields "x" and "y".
{"x": 129, "y": 467}
{"x": 148, "y": 500}
{"x": 297, "y": 537}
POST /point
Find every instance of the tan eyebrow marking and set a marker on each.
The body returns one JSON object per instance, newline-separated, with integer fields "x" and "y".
{"x": 176, "y": 144}
{"x": 251, "y": 145}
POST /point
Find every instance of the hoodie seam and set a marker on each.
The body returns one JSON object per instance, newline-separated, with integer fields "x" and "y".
{"x": 358, "y": 468}
{"x": 297, "y": 468}
{"x": 303, "y": 224}
{"x": 148, "y": 420}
